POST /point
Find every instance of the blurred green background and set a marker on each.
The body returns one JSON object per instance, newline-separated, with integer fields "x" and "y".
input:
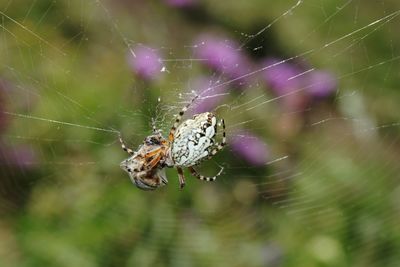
{"x": 309, "y": 180}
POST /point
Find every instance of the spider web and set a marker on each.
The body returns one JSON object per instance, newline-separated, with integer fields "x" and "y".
{"x": 319, "y": 186}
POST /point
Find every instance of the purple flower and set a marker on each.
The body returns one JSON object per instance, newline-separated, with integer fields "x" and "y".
{"x": 211, "y": 94}
{"x": 320, "y": 84}
{"x": 251, "y": 148}
{"x": 145, "y": 62}
{"x": 282, "y": 77}
{"x": 3, "y": 117}
{"x": 16, "y": 156}
{"x": 224, "y": 56}
{"x": 20, "y": 156}
{"x": 181, "y": 3}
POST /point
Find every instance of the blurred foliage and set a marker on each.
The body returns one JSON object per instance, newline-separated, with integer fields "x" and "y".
{"x": 333, "y": 200}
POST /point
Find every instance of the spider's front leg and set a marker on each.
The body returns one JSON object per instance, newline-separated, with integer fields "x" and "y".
{"x": 178, "y": 119}
{"x": 124, "y": 147}
{"x": 154, "y": 127}
{"x": 181, "y": 177}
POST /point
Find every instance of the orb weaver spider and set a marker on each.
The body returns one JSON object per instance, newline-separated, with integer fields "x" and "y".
{"x": 188, "y": 144}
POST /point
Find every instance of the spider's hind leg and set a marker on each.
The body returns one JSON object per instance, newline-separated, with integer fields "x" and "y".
{"x": 202, "y": 177}
{"x": 219, "y": 146}
{"x": 181, "y": 177}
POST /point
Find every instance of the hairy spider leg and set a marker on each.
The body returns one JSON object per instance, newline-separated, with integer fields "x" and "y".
{"x": 202, "y": 177}
{"x": 155, "y": 161}
{"x": 154, "y": 127}
{"x": 219, "y": 147}
{"x": 178, "y": 119}
{"x": 124, "y": 147}
{"x": 152, "y": 153}
{"x": 181, "y": 177}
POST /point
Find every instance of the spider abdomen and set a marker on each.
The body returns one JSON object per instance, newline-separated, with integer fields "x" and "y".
{"x": 194, "y": 140}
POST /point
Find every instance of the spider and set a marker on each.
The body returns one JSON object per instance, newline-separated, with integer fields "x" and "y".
{"x": 188, "y": 144}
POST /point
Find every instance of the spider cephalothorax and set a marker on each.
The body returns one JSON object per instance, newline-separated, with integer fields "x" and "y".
{"x": 188, "y": 144}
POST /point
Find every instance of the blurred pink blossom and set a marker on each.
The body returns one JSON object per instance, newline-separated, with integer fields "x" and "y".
{"x": 250, "y": 147}
{"x": 320, "y": 84}
{"x": 223, "y": 55}
{"x": 281, "y": 77}
{"x": 211, "y": 94}
{"x": 284, "y": 78}
{"x": 15, "y": 156}
{"x": 4, "y": 86}
{"x": 19, "y": 156}
{"x": 145, "y": 62}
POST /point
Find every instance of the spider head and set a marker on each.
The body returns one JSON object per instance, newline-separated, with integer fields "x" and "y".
{"x": 154, "y": 140}
{"x": 143, "y": 179}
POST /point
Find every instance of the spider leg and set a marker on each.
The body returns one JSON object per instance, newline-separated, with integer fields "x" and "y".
{"x": 181, "y": 177}
{"x": 153, "y": 124}
{"x": 155, "y": 161}
{"x": 204, "y": 178}
{"x": 152, "y": 153}
{"x": 124, "y": 147}
{"x": 219, "y": 146}
{"x": 178, "y": 119}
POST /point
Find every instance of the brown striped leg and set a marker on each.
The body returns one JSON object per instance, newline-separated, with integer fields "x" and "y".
{"x": 124, "y": 147}
{"x": 178, "y": 119}
{"x": 204, "y": 178}
{"x": 154, "y": 161}
{"x": 181, "y": 177}
{"x": 152, "y": 153}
